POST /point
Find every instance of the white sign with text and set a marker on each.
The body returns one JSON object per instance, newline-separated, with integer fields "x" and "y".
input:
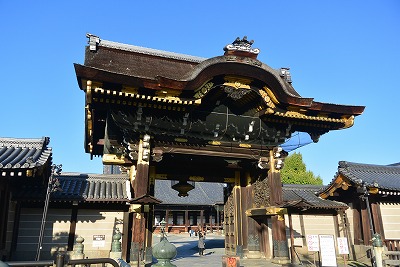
{"x": 343, "y": 248}
{"x": 327, "y": 249}
{"x": 312, "y": 243}
{"x": 99, "y": 241}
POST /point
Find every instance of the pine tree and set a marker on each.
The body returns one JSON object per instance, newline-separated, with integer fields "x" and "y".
{"x": 295, "y": 172}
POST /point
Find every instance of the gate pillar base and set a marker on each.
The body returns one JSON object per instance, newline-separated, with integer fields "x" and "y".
{"x": 148, "y": 255}
{"x": 281, "y": 260}
{"x": 253, "y": 254}
{"x": 281, "y": 252}
{"x": 239, "y": 251}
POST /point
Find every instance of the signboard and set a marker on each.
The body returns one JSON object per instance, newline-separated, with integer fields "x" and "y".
{"x": 343, "y": 247}
{"x": 99, "y": 240}
{"x": 312, "y": 243}
{"x": 328, "y": 251}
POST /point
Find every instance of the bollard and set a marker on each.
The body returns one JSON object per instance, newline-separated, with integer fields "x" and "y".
{"x": 60, "y": 260}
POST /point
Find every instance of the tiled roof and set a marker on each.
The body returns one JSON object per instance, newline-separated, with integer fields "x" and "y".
{"x": 82, "y": 187}
{"x": 18, "y": 153}
{"x": 306, "y": 196}
{"x": 150, "y": 51}
{"x": 203, "y": 194}
{"x": 379, "y": 176}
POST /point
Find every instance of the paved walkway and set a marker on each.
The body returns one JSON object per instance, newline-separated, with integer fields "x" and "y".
{"x": 188, "y": 256}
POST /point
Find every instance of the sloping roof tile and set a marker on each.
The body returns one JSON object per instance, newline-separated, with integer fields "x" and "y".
{"x": 379, "y": 176}
{"x": 306, "y": 196}
{"x": 24, "y": 153}
{"x": 82, "y": 187}
{"x": 203, "y": 194}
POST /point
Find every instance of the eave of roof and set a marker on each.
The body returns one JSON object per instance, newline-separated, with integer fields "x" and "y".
{"x": 305, "y": 196}
{"x": 80, "y": 187}
{"x": 198, "y": 71}
{"x": 381, "y": 178}
{"x": 149, "y": 51}
{"x": 22, "y": 154}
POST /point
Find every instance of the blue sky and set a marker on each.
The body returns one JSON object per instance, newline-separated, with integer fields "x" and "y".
{"x": 342, "y": 52}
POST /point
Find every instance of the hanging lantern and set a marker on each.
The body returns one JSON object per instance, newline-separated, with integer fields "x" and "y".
{"x": 183, "y": 187}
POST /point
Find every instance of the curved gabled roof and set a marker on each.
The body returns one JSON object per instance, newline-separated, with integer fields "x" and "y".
{"x": 377, "y": 176}
{"x": 167, "y": 86}
{"x": 381, "y": 178}
{"x": 21, "y": 154}
{"x": 111, "y": 62}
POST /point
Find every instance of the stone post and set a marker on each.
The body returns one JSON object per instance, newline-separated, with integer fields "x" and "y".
{"x": 116, "y": 251}
{"x": 77, "y": 253}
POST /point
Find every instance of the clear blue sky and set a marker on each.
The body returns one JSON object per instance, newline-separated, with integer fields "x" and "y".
{"x": 342, "y": 52}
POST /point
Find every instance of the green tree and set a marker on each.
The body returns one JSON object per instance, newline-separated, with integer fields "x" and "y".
{"x": 294, "y": 171}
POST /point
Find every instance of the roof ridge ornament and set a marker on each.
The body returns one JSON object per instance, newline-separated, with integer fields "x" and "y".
{"x": 241, "y": 47}
{"x": 93, "y": 41}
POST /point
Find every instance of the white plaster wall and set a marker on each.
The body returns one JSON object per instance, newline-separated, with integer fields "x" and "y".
{"x": 391, "y": 219}
{"x": 95, "y": 222}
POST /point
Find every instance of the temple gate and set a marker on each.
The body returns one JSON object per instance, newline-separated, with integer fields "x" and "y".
{"x": 164, "y": 115}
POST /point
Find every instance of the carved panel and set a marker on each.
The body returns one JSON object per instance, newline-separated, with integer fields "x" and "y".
{"x": 229, "y": 206}
{"x": 261, "y": 193}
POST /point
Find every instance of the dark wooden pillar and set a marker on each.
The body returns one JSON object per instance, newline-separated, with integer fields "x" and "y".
{"x": 279, "y": 240}
{"x": 210, "y": 216}
{"x": 126, "y": 235}
{"x": 148, "y": 242}
{"x": 166, "y": 221}
{"x": 186, "y": 220}
{"x": 244, "y": 227}
{"x": 139, "y": 177}
{"x": 72, "y": 227}
{"x": 366, "y": 229}
{"x": 238, "y": 215}
{"x": 357, "y": 226}
{"x": 377, "y": 219}
{"x": 264, "y": 239}
{"x": 201, "y": 220}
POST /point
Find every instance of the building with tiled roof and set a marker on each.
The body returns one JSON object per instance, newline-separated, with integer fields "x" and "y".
{"x": 24, "y": 157}
{"x": 304, "y": 197}
{"x": 22, "y": 160}
{"x": 81, "y": 188}
{"x": 85, "y": 205}
{"x": 165, "y": 115}
{"x": 201, "y": 207}
{"x": 371, "y": 191}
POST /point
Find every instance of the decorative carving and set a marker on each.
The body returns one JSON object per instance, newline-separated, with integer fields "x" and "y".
{"x": 229, "y": 206}
{"x": 235, "y": 93}
{"x": 348, "y": 122}
{"x": 246, "y": 60}
{"x": 204, "y": 90}
{"x": 261, "y": 191}
{"x": 267, "y": 98}
{"x": 196, "y": 178}
{"x": 242, "y": 45}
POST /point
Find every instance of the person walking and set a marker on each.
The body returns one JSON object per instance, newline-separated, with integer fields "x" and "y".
{"x": 201, "y": 244}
